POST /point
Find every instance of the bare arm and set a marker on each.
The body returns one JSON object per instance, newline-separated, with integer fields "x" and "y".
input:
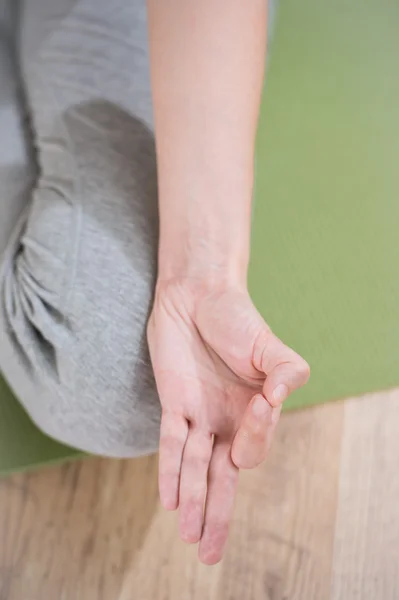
{"x": 221, "y": 373}
{"x": 207, "y": 62}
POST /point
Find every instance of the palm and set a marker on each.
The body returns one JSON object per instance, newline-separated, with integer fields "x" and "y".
{"x": 203, "y": 348}
{"x": 202, "y": 377}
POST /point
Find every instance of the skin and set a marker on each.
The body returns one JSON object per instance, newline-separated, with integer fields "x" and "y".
{"x": 221, "y": 373}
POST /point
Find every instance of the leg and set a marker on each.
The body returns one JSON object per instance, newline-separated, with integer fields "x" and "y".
{"x": 77, "y": 277}
{"x": 16, "y": 167}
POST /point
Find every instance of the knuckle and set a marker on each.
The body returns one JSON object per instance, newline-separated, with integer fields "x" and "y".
{"x": 219, "y": 528}
{"x": 304, "y": 372}
{"x": 170, "y": 444}
{"x": 261, "y": 358}
{"x": 198, "y": 462}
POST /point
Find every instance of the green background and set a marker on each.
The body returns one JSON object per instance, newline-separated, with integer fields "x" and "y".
{"x": 325, "y": 246}
{"x": 325, "y": 252}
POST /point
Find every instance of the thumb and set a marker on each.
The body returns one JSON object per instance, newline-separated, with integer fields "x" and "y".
{"x": 284, "y": 369}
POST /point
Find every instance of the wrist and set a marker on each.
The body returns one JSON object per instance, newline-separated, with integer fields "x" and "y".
{"x": 206, "y": 238}
{"x": 189, "y": 291}
{"x": 202, "y": 259}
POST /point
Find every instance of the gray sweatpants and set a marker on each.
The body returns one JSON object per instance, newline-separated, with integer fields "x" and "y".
{"x": 78, "y": 222}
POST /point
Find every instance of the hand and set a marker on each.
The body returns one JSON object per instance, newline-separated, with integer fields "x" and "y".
{"x": 222, "y": 376}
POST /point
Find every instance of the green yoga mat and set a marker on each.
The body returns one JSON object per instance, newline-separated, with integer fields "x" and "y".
{"x": 325, "y": 254}
{"x": 325, "y": 250}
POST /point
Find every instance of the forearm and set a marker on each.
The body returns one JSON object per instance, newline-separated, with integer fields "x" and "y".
{"x": 207, "y": 65}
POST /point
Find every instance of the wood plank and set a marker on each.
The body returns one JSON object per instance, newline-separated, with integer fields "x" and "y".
{"x": 282, "y": 539}
{"x": 72, "y": 532}
{"x": 94, "y": 530}
{"x": 366, "y": 555}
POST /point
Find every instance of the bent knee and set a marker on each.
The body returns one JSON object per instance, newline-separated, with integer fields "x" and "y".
{"x": 97, "y": 417}
{"x": 120, "y": 430}
{"x": 76, "y": 288}
{"x": 84, "y": 377}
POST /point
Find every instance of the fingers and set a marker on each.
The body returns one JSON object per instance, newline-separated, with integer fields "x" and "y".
{"x": 207, "y": 473}
{"x": 284, "y": 379}
{"x": 174, "y": 430}
{"x": 251, "y": 441}
{"x": 285, "y": 370}
{"x": 222, "y": 484}
{"x": 193, "y": 483}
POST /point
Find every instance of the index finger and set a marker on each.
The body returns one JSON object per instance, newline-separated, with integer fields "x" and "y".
{"x": 222, "y": 485}
{"x": 251, "y": 441}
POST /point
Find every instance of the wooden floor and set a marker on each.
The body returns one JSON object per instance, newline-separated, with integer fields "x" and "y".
{"x": 319, "y": 521}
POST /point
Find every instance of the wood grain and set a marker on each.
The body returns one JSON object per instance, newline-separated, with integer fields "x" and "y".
{"x": 366, "y": 556}
{"x": 72, "y": 532}
{"x": 282, "y": 538}
{"x": 318, "y": 521}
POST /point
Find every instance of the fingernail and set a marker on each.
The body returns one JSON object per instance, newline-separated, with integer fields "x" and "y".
{"x": 260, "y": 407}
{"x": 280, "y": 393}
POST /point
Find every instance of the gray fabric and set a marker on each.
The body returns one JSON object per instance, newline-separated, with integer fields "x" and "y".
{"x": 16, "y": 171}
{"x": 79, "y": 240}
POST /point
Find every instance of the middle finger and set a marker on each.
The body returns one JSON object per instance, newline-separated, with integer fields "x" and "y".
{"x": 196, "y": 457}
{"x": 222, "y": 484}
